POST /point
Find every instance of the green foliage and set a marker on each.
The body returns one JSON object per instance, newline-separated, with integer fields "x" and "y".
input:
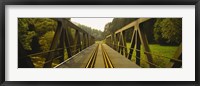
{"x": 117, "y": 24}
{"x": 24, "y": 34}
{"x": 35, "y": 27}
{"x": 148, "y": 28}
{"x": 168, "y": 31}
{"x": 36, "y": 34}
{"x": 94, "y": 32}
{"x": 46, "y": 40}
{"x": 165, "y": 31}
{"x": 107, "y": 29}
{"x": 97, "y": 34}
{"x": 43, "y": 25}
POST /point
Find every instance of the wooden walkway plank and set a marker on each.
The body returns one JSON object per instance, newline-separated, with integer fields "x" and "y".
{"x": 79, "y": 60}
{"x": 99, "y": 60}
{"x": 118, "y": 60}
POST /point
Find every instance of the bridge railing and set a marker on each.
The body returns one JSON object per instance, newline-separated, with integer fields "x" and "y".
{"x": 64, "y": 40}
{"x": 118, "y": 42}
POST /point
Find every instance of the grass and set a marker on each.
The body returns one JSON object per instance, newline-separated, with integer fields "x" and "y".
{"x": 160, "y": 55}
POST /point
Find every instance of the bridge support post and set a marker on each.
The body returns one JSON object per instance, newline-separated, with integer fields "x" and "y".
{"x": 138, "y": 50}
{"x": 132, "y": 45}
{"x": 77, "y": 41}
{"x": 114, "y": 42}
{"x": 84, "y": 41}
{"x": 67, "y": 42}
{"x": 124, "y": 44}
{"x": 62, "y": 45}
{"x": 119, "y": 45}
{"x": 144, "y": 42}
{"x": 88, "y": 42}
{"x": 49, "y": 58}
{"x": 177, "y": 55}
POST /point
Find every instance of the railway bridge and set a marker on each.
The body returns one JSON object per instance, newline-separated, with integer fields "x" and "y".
{"x": 83, "y": 52}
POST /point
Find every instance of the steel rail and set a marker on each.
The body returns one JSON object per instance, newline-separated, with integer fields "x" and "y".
{"x": 92, "y": 59}
{"x": 107, "y": 61}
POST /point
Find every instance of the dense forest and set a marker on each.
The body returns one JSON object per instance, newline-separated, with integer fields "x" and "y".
{"x": 94, "y": 32}
{"x": 164, "y": 31}
{"x": 42, "y": 30}
{"x": 38, "y": 29}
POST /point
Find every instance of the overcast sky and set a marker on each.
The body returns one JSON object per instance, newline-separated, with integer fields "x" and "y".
{"x": 94, "y": 23}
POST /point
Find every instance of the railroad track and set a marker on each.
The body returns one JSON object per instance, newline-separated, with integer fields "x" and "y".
{"x": 92, "y": 59}
{"x": 106, "y": 59}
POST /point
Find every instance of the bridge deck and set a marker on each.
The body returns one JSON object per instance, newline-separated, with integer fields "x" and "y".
{"x": 118, "y": 60}
{"x": 81, "y": 59}
{"x": 99, "y": 60}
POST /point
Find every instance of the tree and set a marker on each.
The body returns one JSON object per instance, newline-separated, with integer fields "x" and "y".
{"x": 168, "y": 31}
{"x": 94, "y": 32}
{"x": 25, "y": 35}
{"x": 46, "y": 40}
